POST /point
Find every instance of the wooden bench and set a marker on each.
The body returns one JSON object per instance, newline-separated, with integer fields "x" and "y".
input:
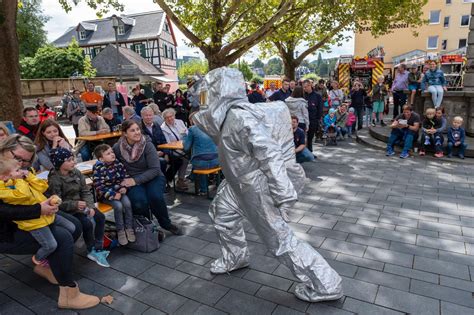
{"x": 206, "y": 172}
{"x": 104, "y": 208}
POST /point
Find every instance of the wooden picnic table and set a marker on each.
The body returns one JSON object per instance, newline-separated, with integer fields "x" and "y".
{"x": 175, "y": 145}
{"x": 84, "y": 167}
{"x": 100, "y": 137}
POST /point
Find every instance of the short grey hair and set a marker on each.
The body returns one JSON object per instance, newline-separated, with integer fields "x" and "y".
{"x": 107, "y": 110}
{"x": 168, "y": 111}
{"x": 156, "y": 110}
{"x": 146, "y": 109}
{"x": 129, "y": 110}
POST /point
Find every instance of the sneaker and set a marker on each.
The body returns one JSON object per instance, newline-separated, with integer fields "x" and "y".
{"x": 100, "y": 257}
{"x": 461, "y": 156}
{"x": 130, "y": 235}
{"x": 122, "y": 237}
{"x": 390, "y": 152}
{"x": 382, "y": 123}
{"x": 373, "y": 123}
{"x": 404, "y": 155}
{"x": 439, "y": 154}
{"x": 175, "y": 229}
{"x": 422, "y": 153}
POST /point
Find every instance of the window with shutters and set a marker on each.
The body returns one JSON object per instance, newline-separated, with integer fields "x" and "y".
{"x": 121, "y": 29}
{"x": 171, "y": 54}
{"x": 165, "y": 50}
{"x": 82, "y": 35}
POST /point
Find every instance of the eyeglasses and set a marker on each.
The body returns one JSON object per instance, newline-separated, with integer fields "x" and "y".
{"x": 19, "y": 159}
{"x": 35, "y": 116}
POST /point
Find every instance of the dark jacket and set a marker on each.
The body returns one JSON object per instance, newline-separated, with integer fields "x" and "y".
{"x": 255, "y": 97}
{"x": 113, "y": 122}
{"x": 280, "y": 95}
{"x": 455, "y": 135}
{"x": 159, "y": 98}
{"x": 431, "y": 123}
{"x": 70, "y": 188}
{"x": 27, "y": 130}
{"x": 315, "y": 106}
{"x": 118, "y": 97}
{"x": 8, "y": 213}
{"x": 157, "y": 136}
{"x": 358, "y": 98}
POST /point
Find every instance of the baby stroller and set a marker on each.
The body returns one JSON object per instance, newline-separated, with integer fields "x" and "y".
{"x": 330, "y": 136}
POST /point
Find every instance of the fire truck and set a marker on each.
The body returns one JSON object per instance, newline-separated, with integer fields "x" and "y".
{"x": 366, "y": 69}
{"x": 453, "y": 64}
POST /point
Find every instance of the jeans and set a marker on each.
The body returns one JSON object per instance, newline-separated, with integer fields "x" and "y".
{"x": 359, "y": 112}
{"x": 434, "y": 139}
{"x": 436, "y": 94}
{"x": 401, "y": 134}
{"x": 46, "y": 239}
{"x": 204, "y": 164}
{"x": 399, "y": 100}
{"x": 123, "y": 213}
{"x": 304, "y": 156}
{"x": 368, "y": 115}
{"x": 60, "y": 260}
{"x": 149, "y": 196}
{"x": 312, "y": 130}
{"x": 94, "y": 238}
{"x": 77, "y": 224}
{"x": 461, "y": 148}
{"x": 341, "y": 131}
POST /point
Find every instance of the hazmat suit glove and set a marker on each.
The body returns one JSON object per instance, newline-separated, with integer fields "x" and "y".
{"x": 284, "y": 209}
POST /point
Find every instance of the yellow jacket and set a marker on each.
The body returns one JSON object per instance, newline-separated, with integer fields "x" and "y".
{"x": 28, "y": 191}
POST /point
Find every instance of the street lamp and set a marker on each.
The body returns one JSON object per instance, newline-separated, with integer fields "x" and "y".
{"x": 115, "y": 25}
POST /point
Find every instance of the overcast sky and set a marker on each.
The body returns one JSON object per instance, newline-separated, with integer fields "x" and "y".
{"x": 60, "y": 21}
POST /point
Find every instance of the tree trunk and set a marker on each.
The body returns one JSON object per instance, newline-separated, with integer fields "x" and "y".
{"x": 11, "y": 104}
{"x": 215, "y": 61}
{"x": 289, "y": 65}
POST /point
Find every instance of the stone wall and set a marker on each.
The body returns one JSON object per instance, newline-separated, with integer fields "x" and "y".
{"x": 455, "y": 103}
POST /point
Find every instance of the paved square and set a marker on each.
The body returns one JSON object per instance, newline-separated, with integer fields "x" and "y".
{"x": 400, "y": 233}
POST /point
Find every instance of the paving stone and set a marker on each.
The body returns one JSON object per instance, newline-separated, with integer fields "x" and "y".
{"x": 411, "y": 230}
{"x": 443, "y": 293}
{"x": 343, "y": 269}
{"x": 118, "y": 281}
{"x": 457, "y": 283}
{"x": 360, "y": 307}
{"x": 195, "y": 270}
{"x": 344, "y": 247}
{"x": 327, "y": 224}
{"x": 338, "y": 218}
{"x": 211, "y": 250}
{"x": 381, "y": 225}
{"x": 370, "y": 241}
{"x": 160, "y": 258}
{"x": 313, "y": 240}
{"x": 161, "y": 299}
{"x": 441, "y": 267}
{"x": 284, "y": 272}
{"x": 126, "y": 305}
{"x": 201, "y": 290}
{"x": 153, "y": 311}
{"x": 440, "y": 243}
{"x": 321, "y": 309}
{"x": 47, "y": 306}
{"x": 389, "y": 256}
{"x": 195, "y": 308}
{"x": 456, "y": 258}
{"x": 236, "y": 283}
{"x": 450, "y": 309}
{"x": 413, "y": 249}
{"x": 395, "y": 236}
{"x": 191, "y": 257}
{"x": 15, "y": 308}
{"x": 235, "y": 302}
{"x": 282, "y": 310}
{"x": 268, "y": 280}
{"x": 93, "y": 288}
{"x": 187, "y": 243}
{"x": 411, "y": 273}
{"x": 100, "y": 309}
{"x": 164, "y": 277}
{"x": 358, "y": 261}
{"x": 354, "y": 228}
{"x": 440, "y": 227}
{"x": 24, "y": 294}
{"x": 263, "y": 263}
{"x": 7, "y": 281}
{"x": 282, "y": 298}
{"x": 328, "y": 233}
{"x": 406, "y": 302}
{"x": 383, "y": 278}
{"x": 129, "y": 264}
{"x": 360, "y": 290}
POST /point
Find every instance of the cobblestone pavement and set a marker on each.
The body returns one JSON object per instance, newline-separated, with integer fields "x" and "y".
{"x": 400, "y": 233}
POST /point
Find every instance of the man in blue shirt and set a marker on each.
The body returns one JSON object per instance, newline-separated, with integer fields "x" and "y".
{"x": 302, "y": 152}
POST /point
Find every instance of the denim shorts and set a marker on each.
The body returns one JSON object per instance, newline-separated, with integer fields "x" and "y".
{"x": 413, "y": 87}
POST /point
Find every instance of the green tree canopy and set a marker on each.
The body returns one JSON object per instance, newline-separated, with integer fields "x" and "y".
{"x": 274, "y": 66}
{"x": 192, "y": 67}
{"x": 257, "y": 63}
{"x": 322, "y": 25}
{"x": 52, "y": 62}
{"x": 245, "y": 69}
{"x": 30, "y": 27}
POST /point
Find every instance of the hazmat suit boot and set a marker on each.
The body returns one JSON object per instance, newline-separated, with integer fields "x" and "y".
{"x": 305, "y": 293}
{"x": 72, "y": 298}
{"x": 45, "y": 272}
{"x": 218, "y": 266}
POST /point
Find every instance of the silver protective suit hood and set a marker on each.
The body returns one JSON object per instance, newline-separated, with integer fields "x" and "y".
{"x": 224, "y": 87}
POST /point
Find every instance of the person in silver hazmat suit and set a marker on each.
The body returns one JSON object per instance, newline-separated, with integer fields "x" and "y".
{"x": 262, "y": 178}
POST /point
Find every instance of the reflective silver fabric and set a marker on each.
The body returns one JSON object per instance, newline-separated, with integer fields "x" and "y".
{"x": 256, "y": 152}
